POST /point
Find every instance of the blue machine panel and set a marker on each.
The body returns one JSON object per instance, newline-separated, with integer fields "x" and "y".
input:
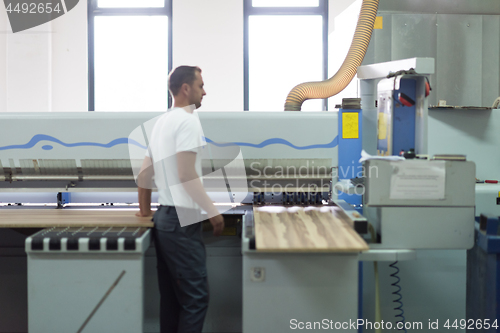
{"x": 404, "y": 119}
{"x": 483, "y": 276}
{"x": 396, "y": 121}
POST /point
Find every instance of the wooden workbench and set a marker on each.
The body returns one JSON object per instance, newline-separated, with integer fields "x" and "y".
{"x": 300, "y": 230}
{"x": 45, "y": 218}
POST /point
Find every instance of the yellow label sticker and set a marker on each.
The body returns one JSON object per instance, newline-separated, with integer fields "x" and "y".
{"x": 379, "y": 22}
{"x": 382, "y": 126}
{"x": 350, "y": 125}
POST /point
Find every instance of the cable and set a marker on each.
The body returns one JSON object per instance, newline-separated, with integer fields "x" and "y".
{"x": 400, "y": 297}
{"x": 378, "y": 315}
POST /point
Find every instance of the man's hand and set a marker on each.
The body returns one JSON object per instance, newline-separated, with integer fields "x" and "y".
{"x": 217, "y": 222}
{"x": 145, "y": 214}
{"x": 144, "y": 184}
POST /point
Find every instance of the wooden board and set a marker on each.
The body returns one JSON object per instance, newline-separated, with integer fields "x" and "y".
{"x": 305, "y": 231}
{"x": 44, "y": 218}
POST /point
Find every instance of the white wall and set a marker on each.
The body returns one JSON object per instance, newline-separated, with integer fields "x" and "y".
{"x": 28, "y": 69}
{"x": 69, "y": 60}
{"x": 209, "y": 34}
{"x": 4, "y": 27}
{"x": 45, "y": 68}
{"x": 335, "y": 8}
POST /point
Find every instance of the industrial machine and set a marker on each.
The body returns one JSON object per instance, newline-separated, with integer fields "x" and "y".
{"x": 411, "y": 203}
{"x": 48, "y": 164}
{"x": 81, "y": 161}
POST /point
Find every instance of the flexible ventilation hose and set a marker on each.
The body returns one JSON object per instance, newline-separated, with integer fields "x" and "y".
{"x": 496, "y": 104}
{"x": 338, "y": 82}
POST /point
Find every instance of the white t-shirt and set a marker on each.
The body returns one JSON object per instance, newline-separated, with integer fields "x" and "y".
{"x": 175, "y": 131}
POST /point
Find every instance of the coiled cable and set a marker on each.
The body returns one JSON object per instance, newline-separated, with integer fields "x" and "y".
{"x": 399, "y": 298}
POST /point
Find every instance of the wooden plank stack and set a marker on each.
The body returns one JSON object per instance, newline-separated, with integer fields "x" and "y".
{"x": 45, "y": 218}
{"x": 305, "y": 230}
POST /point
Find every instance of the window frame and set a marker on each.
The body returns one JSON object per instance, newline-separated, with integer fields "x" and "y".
{"x": 249, "y": 10}
{"x": 93, "y": 11}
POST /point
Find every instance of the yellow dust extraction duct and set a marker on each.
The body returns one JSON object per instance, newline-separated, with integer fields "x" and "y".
{"x": 337, "y": 83}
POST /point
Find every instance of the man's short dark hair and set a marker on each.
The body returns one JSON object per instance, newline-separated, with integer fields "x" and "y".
{"x": 181, "y": 75}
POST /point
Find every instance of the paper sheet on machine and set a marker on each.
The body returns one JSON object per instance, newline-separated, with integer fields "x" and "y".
{"x": 417, "y": 180}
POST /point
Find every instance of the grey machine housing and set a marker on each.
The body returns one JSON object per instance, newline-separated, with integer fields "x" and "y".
{"x": 422, "y": 223}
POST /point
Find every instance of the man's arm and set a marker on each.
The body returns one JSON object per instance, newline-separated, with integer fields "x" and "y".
{"x": 144, "y": 183}
{"x": 193, "y": 186}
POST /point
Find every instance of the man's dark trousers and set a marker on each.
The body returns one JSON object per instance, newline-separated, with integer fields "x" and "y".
{"x": 182, "y": 272}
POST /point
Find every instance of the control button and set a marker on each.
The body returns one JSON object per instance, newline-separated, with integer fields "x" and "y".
{"x": 129, "y": 243}
{"x": 54, "y": 244}
{"x": 72, "y": 244}
{"x": 94, "y": 244}
{"x": 111, "y": 244}
{"x": 37, "y": 244}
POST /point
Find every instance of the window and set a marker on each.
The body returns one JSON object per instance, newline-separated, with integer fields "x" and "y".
{"x": 129, "y": 55}
{"x": 285, "y": 45}
{"x": 285, "y": 3}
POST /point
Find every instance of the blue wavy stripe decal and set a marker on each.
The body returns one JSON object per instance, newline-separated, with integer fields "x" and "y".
{"x": 276, "y": 141}
{"x": 42, "y": 137}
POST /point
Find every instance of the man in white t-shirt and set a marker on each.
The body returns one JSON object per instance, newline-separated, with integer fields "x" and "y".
{"x": 174, "y": 156}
